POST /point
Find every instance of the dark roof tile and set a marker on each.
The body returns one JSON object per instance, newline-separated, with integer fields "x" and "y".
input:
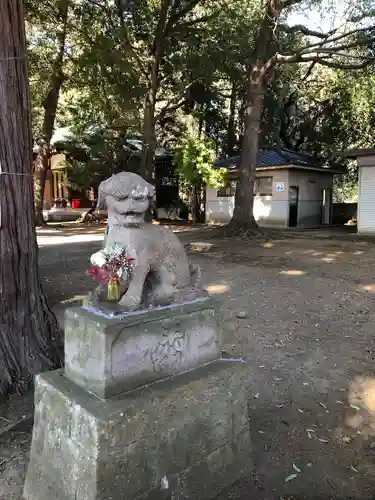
{"x": 273, "y": 158}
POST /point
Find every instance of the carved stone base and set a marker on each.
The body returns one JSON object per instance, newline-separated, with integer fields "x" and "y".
{"x": 185, "y": 438}
{"x": 110, "y": 355}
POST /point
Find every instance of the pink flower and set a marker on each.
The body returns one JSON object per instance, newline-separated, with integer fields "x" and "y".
{"x": 94, "y": 272}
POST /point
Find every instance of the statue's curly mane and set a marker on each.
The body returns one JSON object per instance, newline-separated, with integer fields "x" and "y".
{"x": 122, "y": 185}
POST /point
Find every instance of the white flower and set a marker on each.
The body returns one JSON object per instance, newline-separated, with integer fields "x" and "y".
{"x": 98, "y": 259}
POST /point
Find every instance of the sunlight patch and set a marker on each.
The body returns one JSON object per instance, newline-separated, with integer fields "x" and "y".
{"x": 44, "y": 241}
{"x": 292, "y": 272}
{"x": 217, "y": 289}
{"x": 362, "y": 393}
{"x": 76, "y": 298}
{"x": 328, "y": 259}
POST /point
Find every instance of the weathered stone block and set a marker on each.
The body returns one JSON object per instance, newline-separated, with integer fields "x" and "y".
{"x": 109, "y": 356}
{"x": 191, "y": 429}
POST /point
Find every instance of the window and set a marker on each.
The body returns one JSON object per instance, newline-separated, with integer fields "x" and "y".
{"x": 228, "y": 190}
{"x": 263, "y": 186}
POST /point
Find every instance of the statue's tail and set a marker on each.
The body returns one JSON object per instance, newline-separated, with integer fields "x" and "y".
{"x": 195, "y": 276}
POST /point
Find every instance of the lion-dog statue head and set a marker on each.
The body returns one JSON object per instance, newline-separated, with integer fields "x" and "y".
{"x": 127, "y": 197}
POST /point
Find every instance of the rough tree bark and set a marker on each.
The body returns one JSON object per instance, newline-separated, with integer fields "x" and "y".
{"x": 50, "y": 107}
{"x": 258, "y": 73}
{"x": 243, "y": 218}
{"x": 231, "y": 139}
{"x": 28, "y": 330}
{"x": 149, "y": 136}
{"x": 41, "y": 167}
{"x": 157, "y": 54}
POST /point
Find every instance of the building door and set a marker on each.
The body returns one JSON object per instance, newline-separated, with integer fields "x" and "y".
{"x": 326, "y": 205}
{"x": 293, "y": 206}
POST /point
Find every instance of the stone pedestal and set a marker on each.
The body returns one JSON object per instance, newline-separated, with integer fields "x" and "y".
{"x": 145, "y": 409}
{"x": 186, "y": 437}
{"x": 111, "y": 355}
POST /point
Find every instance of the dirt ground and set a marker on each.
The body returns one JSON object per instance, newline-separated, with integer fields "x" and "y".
{"x": 308, "y": 300}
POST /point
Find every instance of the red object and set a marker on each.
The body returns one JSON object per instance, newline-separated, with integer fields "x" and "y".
{"x": 108, "y": 271}
{"x": 76, "y": 203}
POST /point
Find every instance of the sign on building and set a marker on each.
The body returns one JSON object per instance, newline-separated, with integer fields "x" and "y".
{"x": 280, "y": 187}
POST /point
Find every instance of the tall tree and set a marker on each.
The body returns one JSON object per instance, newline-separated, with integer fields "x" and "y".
{"x": 162, "y": 26}
{"x": 344, "y": 47}
{"x": 44, "y": 15}
{"x": 28, "y": 329}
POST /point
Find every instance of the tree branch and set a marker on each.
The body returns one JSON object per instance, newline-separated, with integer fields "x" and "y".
{"x": 193, "y": 22}
{"x": 300, "y": 28}
{"x": 289, "y": 3}
{"x": 309, "y": 71}
{"x": 179, "y": 14}
{"x": 332, "y": 64}
{"x": 351, "y": 56}
{"x": 175, "y": 15}
{"x": 160, "y": 32}
{"x": 324, "y": 60}
{"x": 327, "y": 50}
{"x": 333, "y": 50}
{"x": 127, "y": 37}
{"x": 330, "y": 40}
{"x": 168, "y": 109}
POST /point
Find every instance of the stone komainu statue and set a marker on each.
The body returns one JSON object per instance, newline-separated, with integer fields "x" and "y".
{"x": 162, "y": 274}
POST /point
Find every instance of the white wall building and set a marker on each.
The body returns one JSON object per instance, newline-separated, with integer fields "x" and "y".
{"x": 366, "y": 189}
{"x": 290, "y": 190}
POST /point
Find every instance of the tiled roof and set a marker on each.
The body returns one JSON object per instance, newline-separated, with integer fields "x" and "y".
{"x": 273, "y": 158}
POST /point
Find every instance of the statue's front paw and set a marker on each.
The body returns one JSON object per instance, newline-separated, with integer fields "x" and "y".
{"x": 129, "y": 303}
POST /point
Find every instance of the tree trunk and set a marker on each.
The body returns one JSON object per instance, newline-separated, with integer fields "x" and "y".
{"x": 243, "y": 218}
{"x": 40, "y": 176}
{"x": 50, "y": 107}
{"x": 194, "y": 205}
{"x": 157, "y": 52}
{"x": 29, "y": 332}
{"x": 200, "y": 120}
{"x": 259, "y": 72}
{"x": 204, "y": 202}
{"x": 231, "y": 140}
{"x": 149, "y": 137}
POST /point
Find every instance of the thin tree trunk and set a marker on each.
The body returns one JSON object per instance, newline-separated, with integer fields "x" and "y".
{"x": 40, "y": 177}
{"x": 149, "y": 137}
{"x": 200, "y": 202}
{"x": 259, "y": 72}
{"x": 194, "y": 205}
{"x": 28, "y": 330}
{"x": 231, "y": 121}
{"x": 50, "y": 107}
{"x": 200, "y": 120}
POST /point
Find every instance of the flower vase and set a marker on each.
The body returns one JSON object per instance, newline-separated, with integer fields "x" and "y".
{"x": 113, "y": 291}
